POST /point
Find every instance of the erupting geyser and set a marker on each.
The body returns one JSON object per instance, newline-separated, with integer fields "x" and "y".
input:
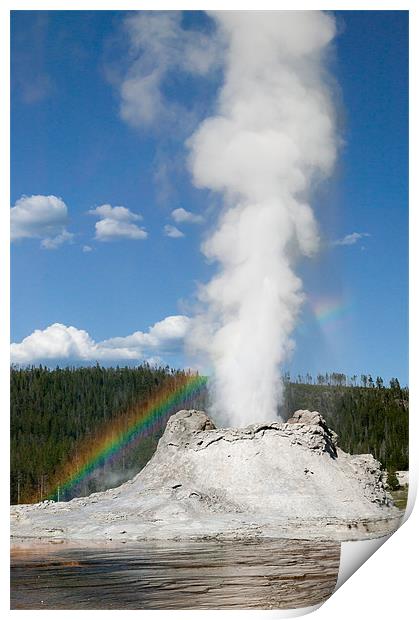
{"x": 272, "y": 138}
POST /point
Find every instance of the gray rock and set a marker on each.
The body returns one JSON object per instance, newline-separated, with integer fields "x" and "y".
{"x": 265, "y": 480}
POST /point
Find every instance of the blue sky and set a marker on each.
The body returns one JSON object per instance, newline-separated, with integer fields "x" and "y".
{"x": 72, "y": 141}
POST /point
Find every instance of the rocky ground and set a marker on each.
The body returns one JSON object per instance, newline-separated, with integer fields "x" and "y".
{"x": 274, "y": 480}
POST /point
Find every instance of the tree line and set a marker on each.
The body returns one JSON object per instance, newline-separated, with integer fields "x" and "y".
{"x": 55, "y": 412}
{"x": 341, "y": 379}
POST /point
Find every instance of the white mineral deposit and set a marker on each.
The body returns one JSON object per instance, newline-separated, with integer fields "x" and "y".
{"x": 270, "y": 480}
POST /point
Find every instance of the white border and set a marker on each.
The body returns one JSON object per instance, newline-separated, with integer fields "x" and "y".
{"x": 385, "y": 586}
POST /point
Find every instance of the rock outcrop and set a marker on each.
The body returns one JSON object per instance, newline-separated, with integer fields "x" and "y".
{"x": 279, "y": 480}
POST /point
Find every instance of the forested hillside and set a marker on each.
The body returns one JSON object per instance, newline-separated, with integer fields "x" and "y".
{"x": 372, "y": 419}
{"x": 54, "y": 413}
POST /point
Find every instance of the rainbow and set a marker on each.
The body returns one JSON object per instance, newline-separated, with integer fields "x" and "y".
{"x": 122, "y": 432}
{"x": 329, "y": 312}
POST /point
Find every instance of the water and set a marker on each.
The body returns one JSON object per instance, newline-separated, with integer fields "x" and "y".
{"x": 177, "y": 575}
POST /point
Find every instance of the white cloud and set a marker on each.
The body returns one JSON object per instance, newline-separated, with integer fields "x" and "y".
{"x": 172, "y": 231}
{"x": 59, "y": 342}
{"x": 55, "y": 342}
{"x": 155, "y": 360}
{"x": 121, "y": 214}
{"x": 54, "y": 242}
{"x": 87, "y": 248}
{"x": 157, "y": 44}
{"x": 181, "y": 215}
{"x": 40, "y": 217}
{"x": 117, "y": 223}
{"x": 162, "y": 335}
{"x": 108, "y": 229}
{"x": 351, "y": 239}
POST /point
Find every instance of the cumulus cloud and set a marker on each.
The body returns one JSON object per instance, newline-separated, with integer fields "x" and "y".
{"x": 162, "y": 335}
{"x": 181, "y": 215}
{"x": 55, "y": 342}
{"x": 117, "y": 223}
{"x": 60, "y": 342}
{"x": 158, "y": 43}
{"x": 55, "y": 242}
{"x": 172, "y": 231}
{"x": 155, "y": 360}
{"x": 40, "y": 217}
{"x": 87, "y": 248}
{"x": 350, "y": 239}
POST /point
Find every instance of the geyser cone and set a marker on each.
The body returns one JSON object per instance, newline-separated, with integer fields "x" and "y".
{"x": 274, "y": 480}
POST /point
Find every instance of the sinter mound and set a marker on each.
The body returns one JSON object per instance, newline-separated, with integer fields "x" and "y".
{"x": 266, "y": 480}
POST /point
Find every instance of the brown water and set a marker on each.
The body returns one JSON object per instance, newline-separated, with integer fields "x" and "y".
{"x": 207, "y": 575}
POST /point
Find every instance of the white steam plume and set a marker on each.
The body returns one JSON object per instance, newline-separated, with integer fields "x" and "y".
{"x": 272, "y": 139}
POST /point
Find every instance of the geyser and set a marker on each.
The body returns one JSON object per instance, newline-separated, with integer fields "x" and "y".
{"x": 270, "y": 141}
